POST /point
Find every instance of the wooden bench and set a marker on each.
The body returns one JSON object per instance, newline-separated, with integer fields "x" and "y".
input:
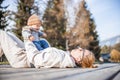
{"x": 106, "y": 71}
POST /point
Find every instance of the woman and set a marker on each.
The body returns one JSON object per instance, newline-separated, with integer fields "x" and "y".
{"x": 49, "y": 57}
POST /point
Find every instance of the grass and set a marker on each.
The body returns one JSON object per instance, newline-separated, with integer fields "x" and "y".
{"x": 5, "y": 62}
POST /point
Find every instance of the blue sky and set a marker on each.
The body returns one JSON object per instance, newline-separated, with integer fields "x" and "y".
{"x": 107, "y": 17}
{"x": 105, "y": 12}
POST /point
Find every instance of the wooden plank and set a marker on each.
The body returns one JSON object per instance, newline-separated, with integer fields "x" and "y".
{"x": 103, "y": 72}
{"x": 100, "y": 74}
{"x": 117, "y": 77}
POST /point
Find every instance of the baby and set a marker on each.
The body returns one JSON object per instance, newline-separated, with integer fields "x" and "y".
{"x": 32, "y": 32}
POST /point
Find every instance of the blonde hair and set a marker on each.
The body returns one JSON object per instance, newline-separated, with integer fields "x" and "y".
{"x": 87, "y": 60}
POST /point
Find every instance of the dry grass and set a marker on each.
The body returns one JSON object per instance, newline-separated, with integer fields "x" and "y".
{"x": 115, "y": 55}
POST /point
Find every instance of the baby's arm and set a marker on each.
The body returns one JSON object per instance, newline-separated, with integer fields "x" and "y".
{"x": 42, "y": 34}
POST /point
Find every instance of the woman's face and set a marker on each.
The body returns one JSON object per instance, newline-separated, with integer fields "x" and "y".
{"x": 78, "y": 54}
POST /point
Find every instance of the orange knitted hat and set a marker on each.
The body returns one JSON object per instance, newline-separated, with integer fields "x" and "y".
{"x": 33, "y": 20}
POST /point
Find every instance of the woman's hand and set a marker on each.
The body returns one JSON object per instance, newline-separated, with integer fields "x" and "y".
{"x": 31, "y": 38}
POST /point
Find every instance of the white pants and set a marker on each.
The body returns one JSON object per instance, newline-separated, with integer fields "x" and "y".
{"x": 13, "y": 50}
{"x": 1, "y": 51}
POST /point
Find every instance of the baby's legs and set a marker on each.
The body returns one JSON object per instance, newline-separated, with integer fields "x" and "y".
{"x": 38, "y": 45}
{"x": 42, "y": 44}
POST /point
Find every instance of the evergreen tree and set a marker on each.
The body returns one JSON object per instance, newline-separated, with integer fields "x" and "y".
{"x": 25, "y": 8}
{"x": 94, "y": 43}
{"x": 117, "y": 46}
{"x": 83, "y": 34}
{"x": 3, "y": 21}
{"x": 106, "y": 49}
{"x": 55, "y": 23}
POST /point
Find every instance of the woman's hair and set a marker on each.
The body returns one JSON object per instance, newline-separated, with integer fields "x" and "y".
{"x": 87, "y": 60}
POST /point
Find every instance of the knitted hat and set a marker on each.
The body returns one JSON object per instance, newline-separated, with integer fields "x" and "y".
{"x": 33, "y": 20}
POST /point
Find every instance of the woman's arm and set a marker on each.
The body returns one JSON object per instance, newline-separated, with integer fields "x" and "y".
{"x": 26, "y": 33}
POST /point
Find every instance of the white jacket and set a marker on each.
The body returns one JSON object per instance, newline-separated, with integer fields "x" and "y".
{"x": 49, "y": 57}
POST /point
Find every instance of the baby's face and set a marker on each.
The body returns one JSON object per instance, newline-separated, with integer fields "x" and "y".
{"x": 36, "y": 27}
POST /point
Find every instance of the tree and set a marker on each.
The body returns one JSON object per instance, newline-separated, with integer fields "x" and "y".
{"x": 94, "y": 43}
{"x": 55, "y": 23}
{"x": 106, "y": 49}
{"x": 83, "y": 34}
{"x": 25, "y": 8}
{"x": 117, "y": 46}
{"x": 3, "y": 21}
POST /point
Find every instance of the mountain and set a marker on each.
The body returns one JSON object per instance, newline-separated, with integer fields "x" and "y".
{"x": 111, "y": 41}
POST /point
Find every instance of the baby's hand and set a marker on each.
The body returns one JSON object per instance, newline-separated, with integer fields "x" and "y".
{"x": 44, "y": 35}
{"x": 31, "y": 38}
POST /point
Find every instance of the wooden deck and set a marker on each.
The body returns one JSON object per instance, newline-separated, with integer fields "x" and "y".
{"x": 107, "y": 71}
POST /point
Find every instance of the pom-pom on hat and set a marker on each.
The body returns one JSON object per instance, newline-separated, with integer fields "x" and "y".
{"x": 33, "y": 20}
